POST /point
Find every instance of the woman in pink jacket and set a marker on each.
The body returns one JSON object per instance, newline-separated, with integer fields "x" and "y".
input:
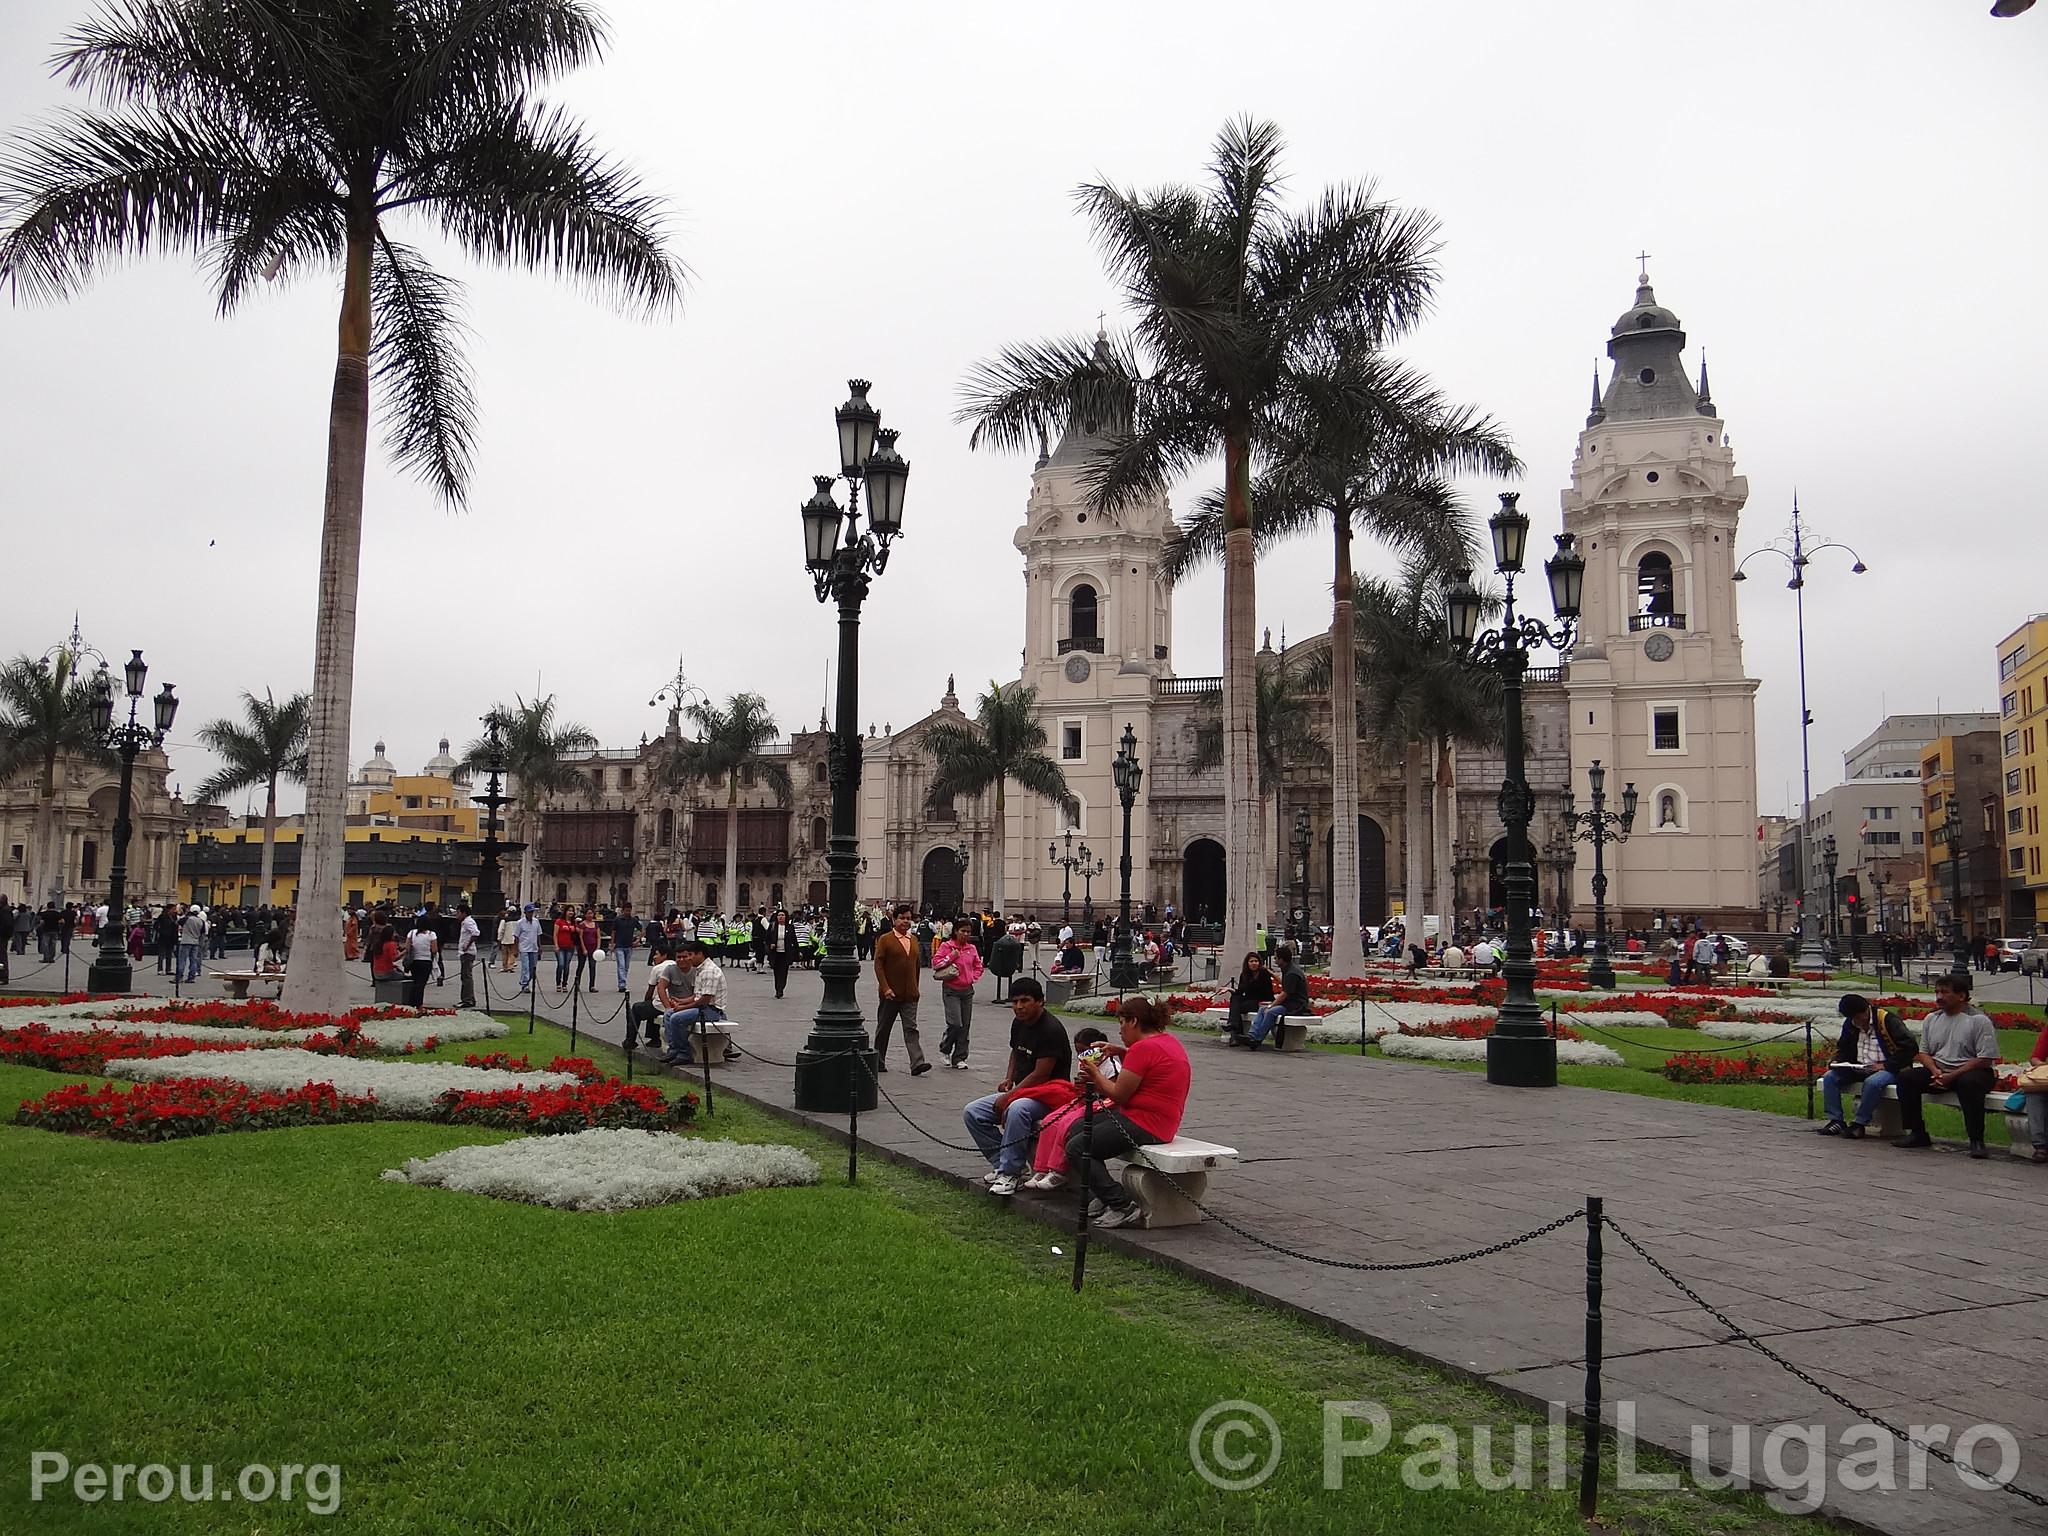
{"x": 956, "y": 966}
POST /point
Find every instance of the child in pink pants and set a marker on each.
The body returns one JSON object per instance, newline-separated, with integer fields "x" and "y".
{"x": 1049, "y": 1157}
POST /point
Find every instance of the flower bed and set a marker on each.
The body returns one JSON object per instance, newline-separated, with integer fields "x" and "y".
{"x": 188, "y": 1107}
{"x": 404, "y": 1089}
{"x": 1759, "y": 1030}
{"x": 581, "y": 1106}
{"x": 89, "y": 1051}
{"x": 609, "y": 1170}
{"x": 1570, "y": 1053}
{"x": 68, "y": 1000}
{"x": 1477, "y": 1027}
{"x": 1791, "y": 1070}
{"x": 377, "y": 1029}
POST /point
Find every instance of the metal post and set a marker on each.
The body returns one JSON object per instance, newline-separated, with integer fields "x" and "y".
{"x": 574, "y": 1015}
{"x": 1080, "y": 1178}
{"x": 704, "y": 1056}
{"x": 110, "y": 971}
{"x": 853, "y": 1137}
{"x": 1589, "y": 1457}
{"x": 1809, "y": 1068}
{"x": 1518, "y": 1053}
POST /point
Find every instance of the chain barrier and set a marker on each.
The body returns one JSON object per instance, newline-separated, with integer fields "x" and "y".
{"x": 1744, "y": 1336}
{"x": 1579, "y": 1021}
{"x": 1001, "y": 1147}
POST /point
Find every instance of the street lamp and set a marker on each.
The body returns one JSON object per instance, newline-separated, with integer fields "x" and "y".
{"x": 1069, "y": 861}
{"x": 110, "y": 971}
{"x": 1799, "y": 556}
{"x": 1090, "y": 873}
{"x": 1299, "y": 927}
{"x": 1950, "y": 835}
{"x": 1519, "y": 1053}
{"x": 1565, "y": 858}
{"x": 1128, "y": 773}
{"x": 1828, "y": 857}
{"x": 1600, "y": 826}
{"x": 836, "y": 1067}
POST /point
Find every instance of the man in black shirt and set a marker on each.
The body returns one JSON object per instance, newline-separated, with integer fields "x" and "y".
{"x": 624, "y": 935}
{"x": 1293, "y": 1000}
{"x": 1004, "y": 1124}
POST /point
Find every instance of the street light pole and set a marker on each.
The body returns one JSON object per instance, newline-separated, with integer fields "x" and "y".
{"x": 1069, "y": 862}
{"x": 1519, "y": 1053}
{"x": 835, "y": 1069}
{"x": 1600, "y": 826}
{"x": 110, "y": 970}
{"x": 1128, "y": 773}
{"x": 1827, "y": 860}
{"x": 1090, "y": 873}
{"x": 1951, "y": 833}
{"x": 1811, "y": 955}
{"x": 1299, "y": 927}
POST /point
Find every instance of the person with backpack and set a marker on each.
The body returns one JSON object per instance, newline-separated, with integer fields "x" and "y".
{"x": 1874, "y": 1049}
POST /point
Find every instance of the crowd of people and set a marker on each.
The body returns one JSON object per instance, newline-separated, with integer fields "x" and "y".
{"x": 179, "y": 934}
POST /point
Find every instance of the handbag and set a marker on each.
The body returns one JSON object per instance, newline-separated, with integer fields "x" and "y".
{"x": 2034, "y": 1079}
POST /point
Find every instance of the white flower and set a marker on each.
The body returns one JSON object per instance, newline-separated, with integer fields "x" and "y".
{"x": 1759, "y": 1029}
{"x": 609, "y": 1170}
{"x": 1627, "y": 1020}
{"x": 408, "y": 1087}
{"x": 1570, "y": 1053}
{"x": 386, "y": 1034}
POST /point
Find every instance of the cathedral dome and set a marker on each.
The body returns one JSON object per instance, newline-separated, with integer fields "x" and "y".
{"x": 441, "y": 764}
{"x": 1646, "y": 314}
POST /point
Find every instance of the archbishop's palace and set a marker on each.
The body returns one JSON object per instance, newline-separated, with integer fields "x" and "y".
{"x": 1655, "y": 691}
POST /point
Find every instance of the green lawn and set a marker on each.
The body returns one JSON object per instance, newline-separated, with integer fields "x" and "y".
{"x": 894, "y": 1357}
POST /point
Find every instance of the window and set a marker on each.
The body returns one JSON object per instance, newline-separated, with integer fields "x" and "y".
{"x": 412, "y": 802}
{"x": 2016, "y": 860}
{"x": 2007, "y": 665}
{"x": 2015, "y": 819}
{"x": 625, "y": 778}
{"x": 821, "y": 772}
{"x": 2012, "y": 743}
{"x": 1917, "y": 840}
{"x": 1655, "y": 588}
{"x": 14, "y": 853}
{"x": 1070, "y": 741}
{"x": 821, "y": 833}
{"x": 1665, "y": 732}
{"x": 2008, "y": 704}
{"x": 2012, "y": 781}
{"x": 665, "y": 828}
{"x": 1081, "y": 614}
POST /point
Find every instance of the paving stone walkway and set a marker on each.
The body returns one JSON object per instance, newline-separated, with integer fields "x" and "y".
{"x": 1914, "y": 1283}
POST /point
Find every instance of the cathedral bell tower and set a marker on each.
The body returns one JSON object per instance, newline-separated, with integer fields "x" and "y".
{"x": 1656, "y": 687}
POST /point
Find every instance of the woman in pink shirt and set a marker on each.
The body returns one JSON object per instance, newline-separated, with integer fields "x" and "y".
{"x": 1141, "y": 1105}
{"x": 957, "y": 965}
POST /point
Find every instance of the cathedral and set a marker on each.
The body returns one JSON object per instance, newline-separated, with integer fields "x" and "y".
{"x": 1654, "y": 690}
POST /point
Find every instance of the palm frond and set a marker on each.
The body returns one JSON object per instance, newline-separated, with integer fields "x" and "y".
{"x": 429, "y": 403}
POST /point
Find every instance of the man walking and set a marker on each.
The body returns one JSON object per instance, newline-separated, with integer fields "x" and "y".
{"x": 896, "y": 958}
{"x": 526, "y": 935}
{"x": 625, "y": 934}
{"x": 466, "y": 936}
{"x": 191, "y": 936}
{"x": 1958, "y": 1048}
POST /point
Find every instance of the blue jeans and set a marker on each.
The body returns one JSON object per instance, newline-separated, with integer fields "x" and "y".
{"x": 676, "y": 1028}
{"x": 188, "y": 962}
{"x": 1269, "y": 1016}
{"x": 1006, "y": 1146}
{"x": 562, "y": 959}
{"x": 529, "y": 962}
{"x": 625, "y": 958}
{"x": 1866, "y": 1102}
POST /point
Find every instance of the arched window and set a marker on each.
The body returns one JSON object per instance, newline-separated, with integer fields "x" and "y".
{"x": 746, "y": 896}
{"x": 1081, "y": 613}
{"x": 821, "y": 832}
{"x": 1655, "y": 590}
{"x": 665, "y": 828}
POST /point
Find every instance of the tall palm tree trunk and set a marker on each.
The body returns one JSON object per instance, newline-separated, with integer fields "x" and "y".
{"x": 46, "y": 879}
{"x": 1444, "y": 825}
{"x": 1347, "y": 952}
{"x": 269, "y": 841}
{"x": 1243, "y": 805}
{"x": 1414, "y": 764}
{"x": 316, "y": 981}
{"x": 732, "y": 842}
{"x": 528, "y": 820}
{"x": 1001, "y": 848}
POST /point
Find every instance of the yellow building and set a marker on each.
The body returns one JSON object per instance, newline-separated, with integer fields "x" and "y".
{"x": 380, "y": 864}
{"x": 2023, "y": 771}
{"x": 420, "y": 802}
{"x": 1960, "y": 801}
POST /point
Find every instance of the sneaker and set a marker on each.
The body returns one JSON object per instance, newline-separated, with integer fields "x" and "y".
{"x": 1859, "y": 1130}
{"x": 990, "y": 1177}
{"x": 920, "y": 1069}
{"x": 1051, "y": 1180}
{"x": 1096, "y": 1209}
{"x": 1036, "y": 1181}
{"x": 1132, "y": 1215}
{"x": 1005, "y": 1185}
{"x": 2041, "y": 1154}
{"x": 1834, "y": 1128}
{"x": 1913, "y": 1139}
{"x": 961, "y": 1064}
{"x": 1978, "y": 1152}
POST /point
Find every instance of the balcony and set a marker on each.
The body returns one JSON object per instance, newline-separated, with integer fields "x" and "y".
{"x": 1656, "y": 621}
{"x": 1185, "y": 687}
{"x": 1092, "y": 644}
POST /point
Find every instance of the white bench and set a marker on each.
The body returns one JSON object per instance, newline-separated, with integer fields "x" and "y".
{"x": 1888, "y": 1123}
{"x": 239, "y": 982}
{"x": 704, "y": 1036}
{"x": 1189, "y": 1161}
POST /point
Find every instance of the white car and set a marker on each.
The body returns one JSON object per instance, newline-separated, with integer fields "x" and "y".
{"x": 2016, "y": 955}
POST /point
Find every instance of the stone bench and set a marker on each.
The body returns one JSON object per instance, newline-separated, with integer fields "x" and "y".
{"x": 703, "y": 1036}
{"x": 1189, "y": 1162}
{"x": 1888, "y": 1123}
{"x": 239, "y": 982}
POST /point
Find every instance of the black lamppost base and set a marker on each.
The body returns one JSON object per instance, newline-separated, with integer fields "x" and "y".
{"x": 110, "y": 975}
{"x": 1600, "y": 972}
{"x": 831, "y": 1082}
{"x": 1124, "y": 974}
{"x": 1521, "y": 1061}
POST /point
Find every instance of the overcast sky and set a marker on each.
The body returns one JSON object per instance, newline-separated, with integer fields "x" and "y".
{"x": 1844, "y": 202}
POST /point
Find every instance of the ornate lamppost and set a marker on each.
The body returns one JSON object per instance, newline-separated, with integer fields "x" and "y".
{"x": 835, "y": 1069}
{"x": 1298, "y": 929}
{"x": 110, "y": 971}
{"x": 1950, "y": 835}
{"x": 1600, "y": 826}
{"x": 1070, "y": 861}
{"x": 1827, "y": 862}
{"x": 1128, "y": 773}
{"x": 1519, "y": 1053}
{"x": 1800, "y": 555}
{"x": 1564, "y": 858}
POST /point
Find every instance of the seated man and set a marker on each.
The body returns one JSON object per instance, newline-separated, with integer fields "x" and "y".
{"x": 1293, "y": 997}
{"x": 1004, "y": 1124}
{"x": 664, "y": 995}
{"x": 702, "y": 1001}
{"x": 1780, "y": 963}
{"x": 1880, "y": 1047}
{"x": 1484, "y": 955}
{"x": 1070, "y": 960}
{"x": 1958, "y": 1048}
{"x": 1453, "y": 957}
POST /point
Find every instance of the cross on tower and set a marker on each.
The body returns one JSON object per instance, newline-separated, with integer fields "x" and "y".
{"x": 1643, "y": 269}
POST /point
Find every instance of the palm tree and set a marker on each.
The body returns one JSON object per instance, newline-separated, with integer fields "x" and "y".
{"x": 1005, "y": 742}
{"x": 1234, "y": 298}
{"x": 45, "y": 713}
{"x": 268, "y": 743}
{"x": 540, "y": 755}
{"x": 1419, "y": 693}
{"x": 1287, "y": 735}
{"x": 1365, "y": 450}
{"x": 273, "y": 139}
{"x": 731, "y": 744}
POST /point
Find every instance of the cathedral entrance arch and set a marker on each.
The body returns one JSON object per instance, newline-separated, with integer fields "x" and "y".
{"x": 1204, "y": 884}
{"x": 941, "y": 889}
{"x": 1372, "y": 873}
